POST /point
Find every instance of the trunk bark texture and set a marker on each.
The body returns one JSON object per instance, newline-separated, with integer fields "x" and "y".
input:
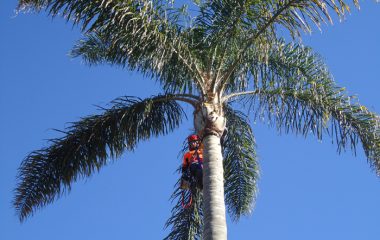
{"x": 209, "y": 123}
{"x": 215, "y": 227}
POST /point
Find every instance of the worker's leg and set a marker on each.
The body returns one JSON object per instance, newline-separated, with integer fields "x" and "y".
{"x": 193, "y": 169}
{"x": 196, "y": 171}
{"x": 185, "y": 180}
{"x": 198, "y": 174}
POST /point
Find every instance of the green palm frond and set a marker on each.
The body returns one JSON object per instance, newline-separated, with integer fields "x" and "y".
{"x": 258, "y": 15}
{"x": 294, "y": 15}
{"x": 229, "y": 18}
{"x": 260, "y": 23}
{"x": 92, "y": 15}
{"x": 220, "y": 20}
{"x": 154, "y": 58}
{"x": 185, "y": 223}
{"x": 87, "y": 145}
{"x": 296, "y": 93}
{"x": 141, "y": 35}
{"x": 241, "y": 171}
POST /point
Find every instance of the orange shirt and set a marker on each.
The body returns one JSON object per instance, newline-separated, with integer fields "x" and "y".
{"x": 192, "y": 157}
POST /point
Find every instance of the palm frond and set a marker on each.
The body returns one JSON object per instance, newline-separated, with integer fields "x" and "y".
{"x": 92, "y": 15}
{"x": 141, "y": 35}
{"x": 295, "y": 15}
{"x": 151, "y": 57}
{"x": 296, "y": 93}
{"x": 220, "y": 21}
{"x": 261, "y": 21}
{"x": 87, "y": 145}
{"x": 185, "y": 223}
{"x": 241, "y": 171}
{"x": 224, "y": 15}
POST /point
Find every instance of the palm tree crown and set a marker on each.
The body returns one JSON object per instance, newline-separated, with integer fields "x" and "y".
{"x": 211, "y": 56}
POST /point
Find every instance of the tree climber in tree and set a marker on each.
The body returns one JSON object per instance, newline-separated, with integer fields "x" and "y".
{"x": 192, "y": 164}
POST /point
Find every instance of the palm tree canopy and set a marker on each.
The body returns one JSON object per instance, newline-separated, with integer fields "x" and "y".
{"x": 228, "y": 51}
{"x": 166, "y": 42}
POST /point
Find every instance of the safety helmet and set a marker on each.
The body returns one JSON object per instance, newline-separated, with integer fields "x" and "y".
{"x": 193, "y": 138}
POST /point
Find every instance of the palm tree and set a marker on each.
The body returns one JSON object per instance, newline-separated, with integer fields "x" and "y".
{"x": 219, "y": 55}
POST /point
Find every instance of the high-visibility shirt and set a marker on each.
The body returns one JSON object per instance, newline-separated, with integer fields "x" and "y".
{"x": 193, "y": 156}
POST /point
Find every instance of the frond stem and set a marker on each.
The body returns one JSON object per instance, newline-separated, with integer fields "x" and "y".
{"x": 233, "y": 95}
{"x": 199, "y": 79}
{"x": 186, "y": 98}
{"x": 250, "y": 41}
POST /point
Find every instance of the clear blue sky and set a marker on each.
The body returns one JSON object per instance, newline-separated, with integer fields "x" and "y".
{"x": 307, "y": 190}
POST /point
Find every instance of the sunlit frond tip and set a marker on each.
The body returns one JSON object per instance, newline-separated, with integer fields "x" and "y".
{"x": 87, "y": 145}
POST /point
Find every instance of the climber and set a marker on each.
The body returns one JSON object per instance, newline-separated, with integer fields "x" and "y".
{"x": 192, "y": 164}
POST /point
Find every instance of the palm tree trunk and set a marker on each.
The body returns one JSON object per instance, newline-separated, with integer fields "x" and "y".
{"x": 215, "y": 226}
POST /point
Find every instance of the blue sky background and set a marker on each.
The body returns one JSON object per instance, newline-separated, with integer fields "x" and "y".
{"x": 307, "y": 190}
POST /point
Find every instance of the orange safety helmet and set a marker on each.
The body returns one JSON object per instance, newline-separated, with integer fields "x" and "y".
{"x": 193, "y": 138}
